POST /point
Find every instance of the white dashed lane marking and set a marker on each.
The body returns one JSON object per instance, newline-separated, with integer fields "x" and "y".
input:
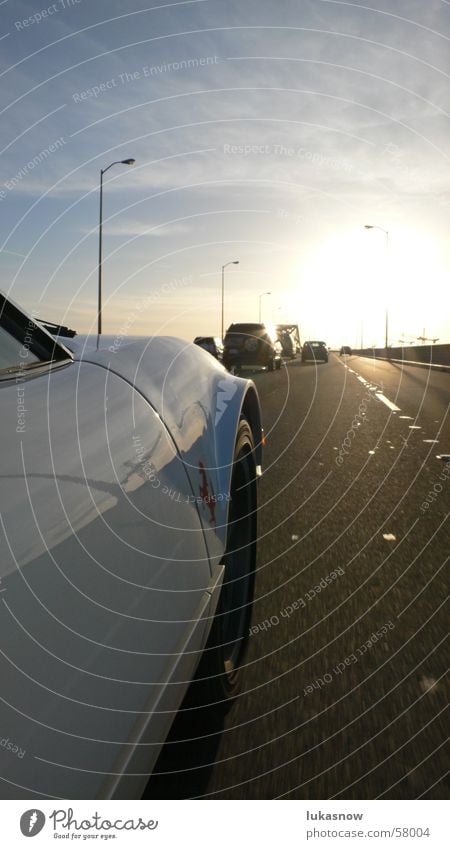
{"x": 386, "y": 401}
{"x": 393, "y": 407}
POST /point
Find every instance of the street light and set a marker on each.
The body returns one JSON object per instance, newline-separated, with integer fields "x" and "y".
{"x": 262, "y": 296}
{"x": 100, "y": 229}
{"x": 427, "y": 338}
{"x": 386, "y": 233}
{"x": 232, "y": 262}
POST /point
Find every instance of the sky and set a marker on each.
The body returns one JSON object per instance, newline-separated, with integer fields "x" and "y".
{"x": 265, "y": 132}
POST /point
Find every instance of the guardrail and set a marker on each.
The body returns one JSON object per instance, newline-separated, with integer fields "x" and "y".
{"x": 423, "y": 355}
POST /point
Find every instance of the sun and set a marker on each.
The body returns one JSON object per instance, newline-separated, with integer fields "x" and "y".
{"x": 343, "y": 287}
{"x": 334, "y": 287}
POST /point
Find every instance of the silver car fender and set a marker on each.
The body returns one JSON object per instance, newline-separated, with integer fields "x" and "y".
{"x": 201, "y": 405}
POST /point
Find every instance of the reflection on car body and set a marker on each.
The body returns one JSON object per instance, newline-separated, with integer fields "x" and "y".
{"x": 125, "y": 509}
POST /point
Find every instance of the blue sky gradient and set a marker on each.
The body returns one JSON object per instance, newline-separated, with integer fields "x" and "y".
{"x": 265, "y": 132}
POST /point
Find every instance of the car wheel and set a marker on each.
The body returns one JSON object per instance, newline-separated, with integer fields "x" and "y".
{"x": 278, "y": 366}
{"x": 217, "y": 678}
{"x": 270, "y": 365}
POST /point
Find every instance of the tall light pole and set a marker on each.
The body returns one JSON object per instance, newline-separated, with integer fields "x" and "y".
{"x": 386, "y": 233}
{"x": 262, "y": 296}
{"x": 232, "y": 262}
{"x": 100, "y": 234}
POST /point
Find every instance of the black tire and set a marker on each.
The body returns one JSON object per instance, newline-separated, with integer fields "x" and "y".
{"x": 270, "y": 364}
{"x": 217, "y": 679}
{"x": 278, "y": 365}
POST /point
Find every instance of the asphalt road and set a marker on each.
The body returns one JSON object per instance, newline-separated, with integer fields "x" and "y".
{"x": 343, "y": 690}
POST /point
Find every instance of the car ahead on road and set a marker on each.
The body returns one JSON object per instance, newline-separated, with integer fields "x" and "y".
{"x": 247, "y": 344}
{"x": 345, "y": 350}
{"x": 212, "y": 344}
{"x": 127, "y": 551}
{"x": 315, "y": 350}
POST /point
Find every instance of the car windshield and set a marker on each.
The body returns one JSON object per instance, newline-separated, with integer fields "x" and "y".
{"x": 14, "y": 354}
{"x": 23, "y": 343}
{"x": 247, "y": 328}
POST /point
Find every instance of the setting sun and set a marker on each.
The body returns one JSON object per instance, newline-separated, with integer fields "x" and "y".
{"x": 341, "y": 289}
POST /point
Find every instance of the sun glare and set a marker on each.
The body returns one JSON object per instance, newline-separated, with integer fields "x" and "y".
{"x": 342, "y": 289}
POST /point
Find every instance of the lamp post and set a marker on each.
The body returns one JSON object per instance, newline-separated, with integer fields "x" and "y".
{"x": 260, "y": 297}
{"x": 100, "y": 233}
{"x": 386, "y": 233}
{"x": 232, "y": 262}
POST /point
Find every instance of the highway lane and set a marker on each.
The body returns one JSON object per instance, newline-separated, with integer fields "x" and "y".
{"x": 343, "y": 693}
{"x": 421, "y": 392}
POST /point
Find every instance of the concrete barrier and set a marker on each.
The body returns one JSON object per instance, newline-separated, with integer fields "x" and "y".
{"x": 423, "y": 355}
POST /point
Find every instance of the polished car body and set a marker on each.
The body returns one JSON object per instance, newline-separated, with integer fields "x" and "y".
{"x": 251, "y": 344}
{"x": 314, "y": 350}
{"x": 117, "y": 464}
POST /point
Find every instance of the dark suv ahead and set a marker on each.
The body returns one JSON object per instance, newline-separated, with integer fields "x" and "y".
{"x": 314, "y": 350}
{"x": 251, "y": 345}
